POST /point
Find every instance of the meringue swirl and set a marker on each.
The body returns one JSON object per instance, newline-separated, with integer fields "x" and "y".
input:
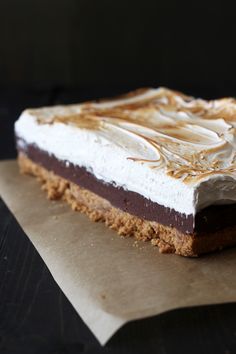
{"x": 191, "y": 139}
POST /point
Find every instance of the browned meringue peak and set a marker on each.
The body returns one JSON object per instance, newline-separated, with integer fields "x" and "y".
{"x": 192, "y": 138}
{"x": 167, "y": 100}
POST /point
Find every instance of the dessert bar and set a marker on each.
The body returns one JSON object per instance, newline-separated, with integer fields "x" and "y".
{"x": 154, "y": 164}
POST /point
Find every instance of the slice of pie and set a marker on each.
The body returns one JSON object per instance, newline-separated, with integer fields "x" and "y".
{"x": 154, "y": 164}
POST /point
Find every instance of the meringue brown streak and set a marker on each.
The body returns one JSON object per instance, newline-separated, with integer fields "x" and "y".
{"x": 189, "y": 138}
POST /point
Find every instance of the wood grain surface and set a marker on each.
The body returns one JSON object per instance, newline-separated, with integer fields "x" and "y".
{"x": 35, "y": 316}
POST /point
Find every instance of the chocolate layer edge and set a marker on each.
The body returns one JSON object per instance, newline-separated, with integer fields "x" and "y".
{"x": 209, "y": 219}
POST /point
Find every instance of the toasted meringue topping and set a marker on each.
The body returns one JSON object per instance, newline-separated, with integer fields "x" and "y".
{"x": 191, "y": 139}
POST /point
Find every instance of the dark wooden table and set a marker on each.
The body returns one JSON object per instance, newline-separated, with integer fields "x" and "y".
{"x": 36, "y": 317}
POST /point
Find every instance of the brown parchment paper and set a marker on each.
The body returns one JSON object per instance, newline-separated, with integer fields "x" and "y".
{"x": 108, "y": 279}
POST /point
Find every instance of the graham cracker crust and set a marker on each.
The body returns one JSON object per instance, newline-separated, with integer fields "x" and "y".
{"x": 168, "y": 239}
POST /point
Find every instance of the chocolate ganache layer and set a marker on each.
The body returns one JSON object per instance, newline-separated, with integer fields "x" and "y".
{"x": 210, "y": 219}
